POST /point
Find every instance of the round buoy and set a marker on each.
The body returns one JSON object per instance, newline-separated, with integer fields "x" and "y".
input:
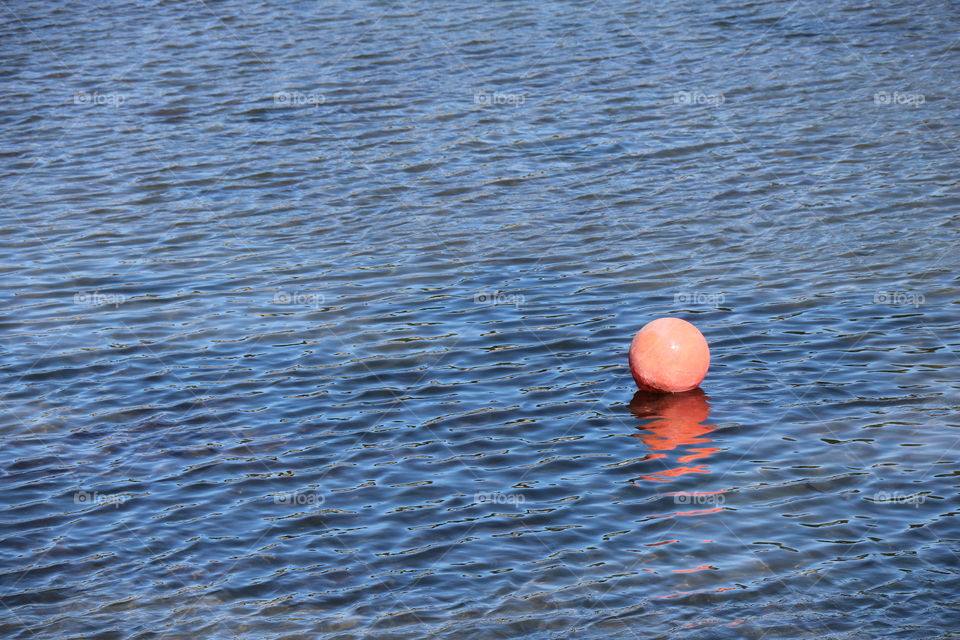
{"x": 669, "y": 355}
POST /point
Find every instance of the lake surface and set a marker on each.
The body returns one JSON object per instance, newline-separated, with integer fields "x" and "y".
{"x": 316, "y": 317}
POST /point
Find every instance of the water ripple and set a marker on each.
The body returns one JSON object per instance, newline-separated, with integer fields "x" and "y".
{"x": 315, "y": 320}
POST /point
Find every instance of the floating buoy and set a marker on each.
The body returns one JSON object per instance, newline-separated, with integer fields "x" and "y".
{"x": 669, "y": 355}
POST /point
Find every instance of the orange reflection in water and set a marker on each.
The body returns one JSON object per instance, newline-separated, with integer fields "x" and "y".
{"x": 676, "y": 422}
{"x": 674, "y": 431}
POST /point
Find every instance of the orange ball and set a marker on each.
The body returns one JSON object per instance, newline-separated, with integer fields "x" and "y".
{"x": 669, "y": 355}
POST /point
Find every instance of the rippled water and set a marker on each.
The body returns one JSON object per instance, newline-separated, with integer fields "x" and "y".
{"x": 316, "y": 318}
